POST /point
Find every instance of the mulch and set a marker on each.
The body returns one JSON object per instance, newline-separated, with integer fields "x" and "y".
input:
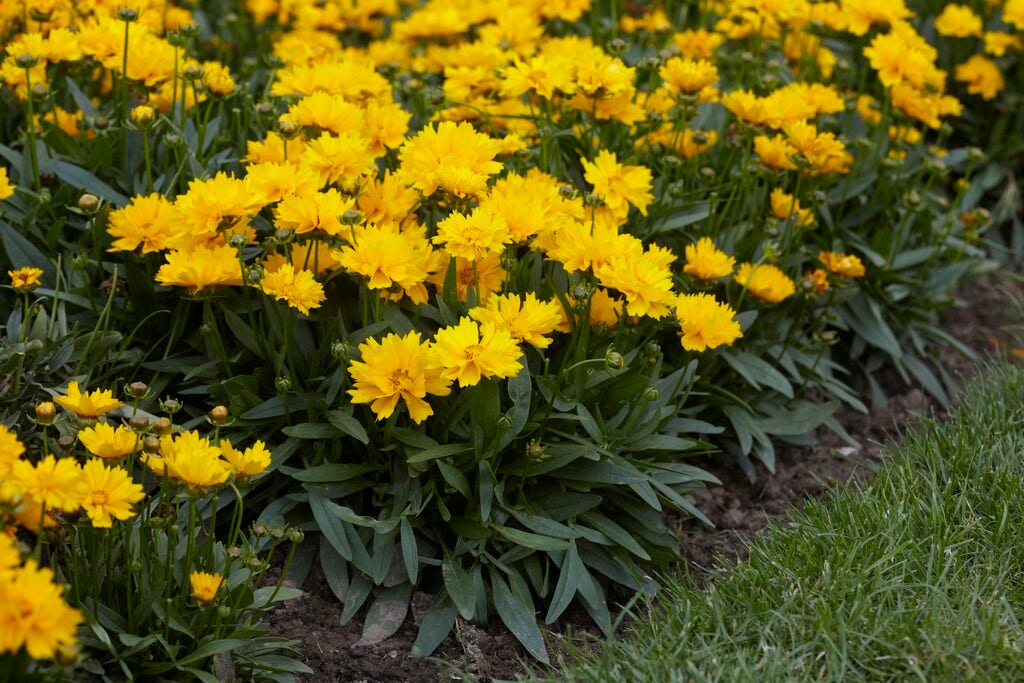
{"x": 740, "y": 509}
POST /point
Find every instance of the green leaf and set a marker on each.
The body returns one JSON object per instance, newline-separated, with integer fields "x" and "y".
{"x": 83, "y": 180}
{"x": 332, "y": 472}
{"x": 335, "y": 570}
{"x": 518, "y": 617}
{"x": 330, "y": 526}
{"x": 801, "y": 420}
{"x": 212, "y": 648}
{"x": 531, "y": 540}
{"x": 459, "y": 585}
{"x": 440, "y": 451}
{"x": 358, "y": 591}
{"x": 386, "y": 614}
{"x": 615, "y": 533}
{"x": 544, "y": 525}
{"x": 261, "y": 597}
{"x": 758, "y": 372}
{"x": 684, "y": 217}
{"x": 348, "y": 424}
{"x": 410, "y": 551}
{"x": 865, "y": 319}
{"x": 436, "y": 625}
{"x": 23, "y": 254}
{"x": 455, "y": 478}
{"x": 311, "y": 430}
{"x": 568, "y": 583}
{"x": 520, "y": 391}
{"x": 486, "y": 483}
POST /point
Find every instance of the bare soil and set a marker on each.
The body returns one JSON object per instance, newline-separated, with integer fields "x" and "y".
{"x": 983, "y": 318}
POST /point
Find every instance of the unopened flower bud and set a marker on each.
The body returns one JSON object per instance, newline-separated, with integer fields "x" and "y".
{"x": 296, "y": 535}
{"x": 534, "y": 449}
{"x": 504, "y": 422}
{"x": 139, "y": 423}
{"x": 219, "y": 415}
{"x": 100, "y": 122}
{"x": 613, "y": 360}
{"x": 193, "y": 72}
{"x": 88, "y": 203}
{"x": 287, "y": 129}
{"x": 283, "y": 384}
{"x": 143, "y": 116}
{"x": 567, "y": 191}
{"x": 223, "y": 611}
{"x": 259, "y": 529}
{"x": 26, "y": 61}
{"x": 67, "y": 442}
{"x": 278, "y": 532}
{"x": 975, "y": 154}
{"x": 340, "y": 349}
{"x": 651, "y": 394}
{"x": 351, "y": 217}
{"x": 127, "y": 14}
{"x": 616, "y": 46}
{"x": 708, "y": 172}
{"x": 170, "y": 405}
{"x": 46, "y": 412}
{"x": 237, "y": 241}
{"x": 138, "y": 389}
{"x": 151, "y": 444}
{"x": 162, "y": 426}
{"x": 39, "y": 91}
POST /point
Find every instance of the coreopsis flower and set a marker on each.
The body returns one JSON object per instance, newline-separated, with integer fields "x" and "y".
{"x": 485, "y": 275}
{"x": 958, "y": 21}
{"x": 272, "y": 181}
{"x": 705, "y": 323}
{"x": 307, "y": 212}
{"x": 209, "y": 205}
{"x": 579, "y": 245}
{"x": 386, "y": 201}
{"x": 275, "y": 149}
{"x": 146, "y": 221}
{"x": 337, "y": 158}
{"x": 997, "y": 43}
{"x": 453, "y": 157}
{"x": 33, "y": 613}
{"x": 684, "y": 75}
{"x": 686, "y": 144}
{"x": 775, "y": 152}
{"x": 205, "y": 585}
{"x": 6, "y": 189}
{"x": 982, "y": 77}
{"x": 528, "y": 204}
{"x": 26, "y": 279}
{"x": 903, "y": 56}
{"x": 396, "y": 369}
{"x": 824, "y": 152}
{"x": 765, "y": 281}
{"x": 93, "y": 404}
{"x": 248, "y": 463}
{"x": 1013, "y": 13}
{"x": 860, "y": 15}
{"x": 698, "y": 43}
{"x": 705, "y": 261}
{"x": 747, "y": 106}
{"x": 201, "y": 267}
{"x": 217, "y": 79}
{"x": 540, "y": 75}
{"x": 527, "y": 318}
{"x": 332, "y": 113}
{"x": 10, "y": 556}
{"x": 387, "y": 258}
{"x": 298, "y": 288}
{"x": 55, "y": 483}
{"x": 11, "y": 449}
{"x": 190, "y": 459}
{"x": 644, "y": 278}
{"x": 473, "y": 235}
{"x": 469, "y": 352}
{"x": 847, "y": 265}
{"x": 786, "y": 207}
{"x": 109, "y": 493}
{"x": 816, "y": 280}
{"x": 927, "y": 107}
{"x": 108, "y": 442}
{"x": 618, "y": 185}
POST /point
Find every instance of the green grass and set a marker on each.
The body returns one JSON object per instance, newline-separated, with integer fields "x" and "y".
{"x": 915, "y": 576}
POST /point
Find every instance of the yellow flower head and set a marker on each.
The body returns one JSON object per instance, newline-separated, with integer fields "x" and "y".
{"x": 146, "y": 222}
{"x": 684, "y": 75}
{"x": 11, "y": 449}
{"x": 617, "y": 184}
{"x": 847, "y": 265}
{"x": 26, "y": 279}
{"x": 388, "y": 258}
{"x": 205, "y": 585}
{"x": 527, "y": 319}
{"x": 248, "y": 463}
{"x": 705, "y": 322}
{"x": 395, "y": 369}
{"x": 107, "y": 442}
{"x": 471, "y": 236}
{"x": 190, "y": 459}
{"x": 307, "y": 212}
{"x": 453, "y": 157}
{"x": 52, "y": 482}
{"x": 93, "y": 404}
{"x": 6, "y": 189}
{"x": 201, "y": 267}
{"x": 468, "y": 352}
{"x": 336, "y": 158}
{"x": 33, "y": 613}
{"x": 485, "y": 275}
{"x": 958, "y": 21}
{"x": 765, "y": 281}
{"x": 298, "y": 288}
{"x": 982, "y": 77}
{"x": 705, "y": 261}
{"x": 109, "y": 493}
{"x": 786, "y": 206}
{"x": 645, "y": 279}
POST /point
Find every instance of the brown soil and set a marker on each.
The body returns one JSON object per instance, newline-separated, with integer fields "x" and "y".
{"x": 982, "y": 319}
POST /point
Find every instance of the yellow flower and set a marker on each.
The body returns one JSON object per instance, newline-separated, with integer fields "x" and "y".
{"x": 453, "y": 157}
{"x": 958, "y": 21}
{"x": 33, "y": 613}
{"x": 786, "y": 206}
{"x": 209, "y": 205}
{"x": 52, "y": 482}
{"x": 470, "y": 237}
{"x": 527, "y": 319}
{"x": 305, "y": 213}
{"x": 26, "y": 279}
{"x": 298, "y": 288}
{"x": 1013, "y": 13}
{"x": 394, "y": 369}
{"x": 618, "y": 185}
{"x": 541, "y": 74}
{"x": 105, "y": 441}
{"x": 847, "y": 265}
{"x": 336, "y": 158}
{"x": 11, "y": 449}
{"x": 93, "y": 404}
{"x": 747, "y": 106}
{"x": 816, "y": 280}
{"x": 982, "y": 77}
{"x": 775, "y": 152}
{"x": 996, "y": 44}
{"x": 190, "y": 459}
{"x": 217, "y": 79}
{"x": 205, "y": 585}
{"x": 146, "y": 221}
{"x": 468, "y": 352}
{"x": 201, "y": 267}
{"x": 6, "y": 189}
{"x": 272, "y": 181}
{"x": 388, "y": 258}
{"x": 683, "y": 75}
{"x": 248, "y": 463}
{"x": 109, "y": 493}
{"x": 645, "y": 279}
{"x": 705, "y": 322}
{"x": 485, "y": 275}
{"x": 765, "y": 281}
{"x": 705, "y": 261}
